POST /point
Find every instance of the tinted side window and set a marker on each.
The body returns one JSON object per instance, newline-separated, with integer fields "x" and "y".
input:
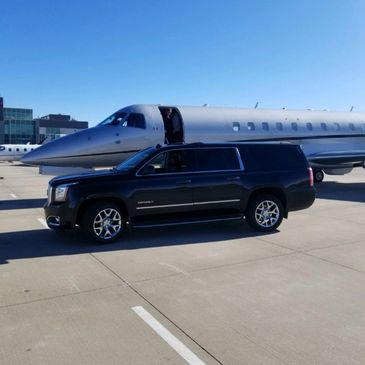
{"x": 272, "y": 158}
{"x": 170, "y": 162}
{"x": 135, "y": 120}
{"x": 217, "y": 159}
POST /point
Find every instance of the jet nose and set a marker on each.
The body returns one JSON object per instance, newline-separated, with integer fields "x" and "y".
{"x": 53, "y": 153}
{"x": 36, "y": 157}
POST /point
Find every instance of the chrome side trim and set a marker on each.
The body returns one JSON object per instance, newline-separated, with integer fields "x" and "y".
{"x": 190, "y": 204}
{"x": 217, "y": 201}
{"x": 166, "y": 206}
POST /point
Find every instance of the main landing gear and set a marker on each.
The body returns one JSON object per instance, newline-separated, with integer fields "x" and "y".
{"x": 318, "y": 176}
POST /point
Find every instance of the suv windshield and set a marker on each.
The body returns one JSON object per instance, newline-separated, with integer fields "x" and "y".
{"x": 133, "y": 161}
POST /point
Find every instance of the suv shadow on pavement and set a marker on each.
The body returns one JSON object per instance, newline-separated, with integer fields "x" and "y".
{"x": 45, "y": 242}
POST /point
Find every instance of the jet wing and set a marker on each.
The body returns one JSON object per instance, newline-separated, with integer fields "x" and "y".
{"x": 337, "y": 157}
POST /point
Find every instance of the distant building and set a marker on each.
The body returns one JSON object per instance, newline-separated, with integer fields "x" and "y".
{"x": 18, "y": 126}
{"x": 54, "y": 126}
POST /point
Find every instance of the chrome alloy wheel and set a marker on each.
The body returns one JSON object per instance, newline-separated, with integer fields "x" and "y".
{"x": 267, "y": 213}
{"x": 107, "y": 224}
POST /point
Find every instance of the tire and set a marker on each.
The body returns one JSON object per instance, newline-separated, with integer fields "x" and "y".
{"x": 265, "y": 213}
{"x": 318, "y": 176}
{"x": 103, "y": 222}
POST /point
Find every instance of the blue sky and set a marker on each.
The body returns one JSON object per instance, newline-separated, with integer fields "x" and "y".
{"x": 89, "y": 58}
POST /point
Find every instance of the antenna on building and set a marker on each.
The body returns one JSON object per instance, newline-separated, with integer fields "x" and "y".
{"x": 256, "y": 105}
{"x": 352, "y": 108}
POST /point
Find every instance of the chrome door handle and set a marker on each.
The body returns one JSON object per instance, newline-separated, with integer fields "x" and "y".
{"x": 187, "y": 181}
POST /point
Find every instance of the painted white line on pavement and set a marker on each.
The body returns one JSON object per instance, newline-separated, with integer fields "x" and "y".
{"x": 43, "y": 222}
{"x": 13, "y": 196}
{"x": 163, "y": 332}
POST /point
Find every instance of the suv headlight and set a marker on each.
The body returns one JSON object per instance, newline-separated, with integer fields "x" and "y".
{"x": 60, "y": 192}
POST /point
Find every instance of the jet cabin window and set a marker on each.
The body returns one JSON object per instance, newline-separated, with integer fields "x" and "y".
{"x": 251, "y": 126}
{"x": 294, "y": 126}
{"x": 310, "y": 126}
{"x": 265, "y": 126}
{"x": 2, "y": 148}
{"x": 236, "y": 126}
{"x": 279, "y": 126}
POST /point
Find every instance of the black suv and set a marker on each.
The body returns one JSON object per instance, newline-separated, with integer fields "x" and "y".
{"x": 180, "y": 184}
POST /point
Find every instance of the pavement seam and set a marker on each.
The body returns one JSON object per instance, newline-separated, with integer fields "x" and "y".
{"x": 59, "y": 296}
{"x": 157, "y": 310}
{"x": 311, "y": 249}
{"x": 214, "y": 267}
{"x": 306, "y": 252}
{"x": 333, "y": 263}
{"x": 267, "y": 348}
{"x": 335, "y": 245}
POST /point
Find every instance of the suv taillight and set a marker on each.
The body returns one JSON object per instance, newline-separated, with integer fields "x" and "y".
{"x": 310, "y": 172}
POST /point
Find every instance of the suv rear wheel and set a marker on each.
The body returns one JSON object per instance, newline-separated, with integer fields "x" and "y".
{"x": 265, "y": 213}
{"x": 104, "y": 222}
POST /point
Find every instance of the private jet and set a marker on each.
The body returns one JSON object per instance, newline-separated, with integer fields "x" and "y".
{"x": 14, "y": 152}
{"x": 333, "y": 142}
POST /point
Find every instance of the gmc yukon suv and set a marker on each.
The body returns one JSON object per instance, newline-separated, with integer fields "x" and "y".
{"x": 179, "y": 184}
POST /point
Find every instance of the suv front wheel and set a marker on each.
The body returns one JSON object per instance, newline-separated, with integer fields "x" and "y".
{"x": 265, "y": 213}
{"x": 104, "y": 222}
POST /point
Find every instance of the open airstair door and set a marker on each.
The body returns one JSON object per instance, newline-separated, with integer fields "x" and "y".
{"x": 173, "y": 124}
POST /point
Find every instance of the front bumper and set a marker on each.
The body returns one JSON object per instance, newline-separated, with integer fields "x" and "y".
{"x": 60, "y": 215}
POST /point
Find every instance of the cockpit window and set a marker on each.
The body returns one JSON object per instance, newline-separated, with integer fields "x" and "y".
{"x": 135, "y": 120}
{"x": 133, "y": 161}
{"x": 2, "y": 148}
{"x": 115, "y": 119}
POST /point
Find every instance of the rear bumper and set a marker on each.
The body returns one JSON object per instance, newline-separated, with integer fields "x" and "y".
{"x": 301, "y": 199}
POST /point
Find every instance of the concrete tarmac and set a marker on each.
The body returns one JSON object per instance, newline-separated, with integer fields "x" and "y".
{"x": 220, "y": 292}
